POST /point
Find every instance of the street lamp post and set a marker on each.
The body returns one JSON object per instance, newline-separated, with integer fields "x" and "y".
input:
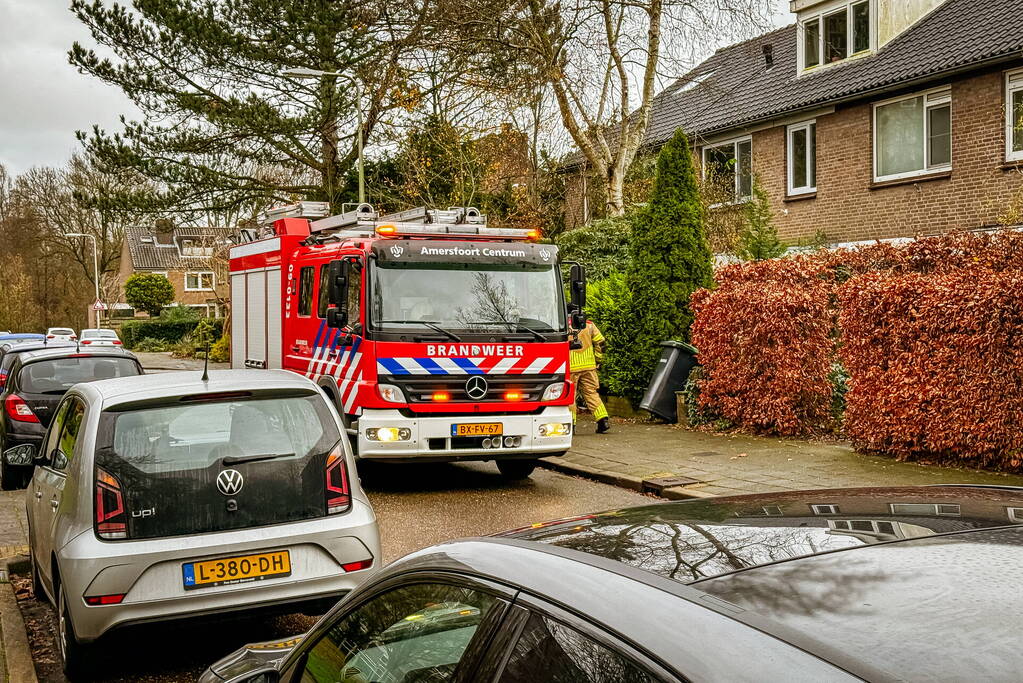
{"x": 95, "y": 264}
{"x": 316, "y": 73}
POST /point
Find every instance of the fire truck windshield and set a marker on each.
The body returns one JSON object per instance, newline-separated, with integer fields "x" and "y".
{"x": 470, "y": 297}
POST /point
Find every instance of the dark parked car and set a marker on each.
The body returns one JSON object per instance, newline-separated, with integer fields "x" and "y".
{"x": 34, "y": 385}
{"x": 10, "y": 349}
{"x": 879, "y": 584}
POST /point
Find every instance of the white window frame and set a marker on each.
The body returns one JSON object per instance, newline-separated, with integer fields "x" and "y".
{"x": 936, "y": 507}
{"x": 200, "y": 274}
{"x": 933, "y": 98}
{"x": 1015, "y": 514}
{"x": 1013, "y": 84}
{"x": 773, "y": 511}
{"x": 737, "y": 198}
{"x": 156, "y": 272}
{"x": 825, "y": 509}
{"x": 791, "y": 159}
{"x": 827, "y": 11}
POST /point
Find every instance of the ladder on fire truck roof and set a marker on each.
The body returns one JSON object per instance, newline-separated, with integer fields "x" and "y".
{"x": 364, "y": 221}
{"x": 365, "y": 216}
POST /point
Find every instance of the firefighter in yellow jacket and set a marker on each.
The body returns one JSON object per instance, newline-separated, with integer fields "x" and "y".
{"x": 584, "y": 356}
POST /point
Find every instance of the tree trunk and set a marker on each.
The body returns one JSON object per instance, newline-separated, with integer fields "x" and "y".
{"x": 615, "y": 191}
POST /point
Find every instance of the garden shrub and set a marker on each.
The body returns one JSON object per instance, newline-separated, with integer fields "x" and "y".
{"x": 766, "y": 351}
{"x": 609, "y": 306}
{"x": 171, "y": 332}
{"x": 148, "y": 292}
{"x": 220, "y": 352}
{"x": 601, "y": 245}
{"x": 911, "y": 349}
{"x": 936, "y": 363}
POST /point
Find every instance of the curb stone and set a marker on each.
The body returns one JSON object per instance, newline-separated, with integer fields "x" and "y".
{"x": 625, "y": 481}
{"x": 17, "y": 656}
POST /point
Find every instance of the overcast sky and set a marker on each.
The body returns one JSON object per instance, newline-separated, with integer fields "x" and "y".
{"x": 45, "y": 100}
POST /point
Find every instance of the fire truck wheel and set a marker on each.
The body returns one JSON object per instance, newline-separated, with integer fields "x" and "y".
{"x": 516, "y": 469}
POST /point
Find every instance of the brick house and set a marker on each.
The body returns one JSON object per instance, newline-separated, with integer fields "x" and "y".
{"x": 191, "y": 258}
{"x": 866, "y": 119}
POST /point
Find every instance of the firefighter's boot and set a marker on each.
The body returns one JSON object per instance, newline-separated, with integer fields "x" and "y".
{"x": 603, "y": 425}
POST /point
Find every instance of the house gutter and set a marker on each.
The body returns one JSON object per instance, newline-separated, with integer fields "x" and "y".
{"x": 774, "y": 119}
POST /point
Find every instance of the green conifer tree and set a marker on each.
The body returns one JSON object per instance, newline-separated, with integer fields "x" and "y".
{"x": 670, "y": 259}
{"x": 759, "y": 238}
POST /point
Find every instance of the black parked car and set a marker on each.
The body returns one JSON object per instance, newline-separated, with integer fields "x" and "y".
{"x": 9, "y": 351}
{"x": 878, "y": 584}
{"x": 34, "y": 383}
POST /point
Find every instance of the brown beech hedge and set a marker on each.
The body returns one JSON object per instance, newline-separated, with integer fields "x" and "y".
{"x": 930, "y": 333}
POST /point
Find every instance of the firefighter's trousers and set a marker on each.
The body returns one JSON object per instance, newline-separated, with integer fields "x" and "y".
{"x": 587, "y": 383}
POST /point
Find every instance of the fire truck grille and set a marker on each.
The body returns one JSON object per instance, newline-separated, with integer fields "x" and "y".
{"x": 424, "y": 389}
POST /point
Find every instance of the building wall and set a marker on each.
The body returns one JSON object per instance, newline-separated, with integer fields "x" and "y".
{"x": 848, "y": 206}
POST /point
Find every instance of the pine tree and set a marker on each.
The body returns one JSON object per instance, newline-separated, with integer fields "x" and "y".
{"x": 222, "y": 127}
{"x": 759, "y": 238}
{"x": 670, "y": 259}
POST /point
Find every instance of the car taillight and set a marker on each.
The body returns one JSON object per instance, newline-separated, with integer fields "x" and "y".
{"x": 50, "y": 336}
{"x": 86, "y": 341}
{"x": 114, "y": 599}
{"x": 111, "y": 518}
{"x": 18, "y": 410}
{"x": 3, "y": 379}
{"x": 358, "y": 566}
{"x": 117, "y": 342}
{"x": 339, "y": 497}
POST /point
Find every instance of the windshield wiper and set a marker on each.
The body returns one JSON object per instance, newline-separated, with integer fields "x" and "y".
{"x": 236, "y": 459}
{"x": 433, "y": 326}
{"x": 517, "y": 328}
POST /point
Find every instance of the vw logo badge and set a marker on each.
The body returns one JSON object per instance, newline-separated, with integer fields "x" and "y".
{"x": 545, "y": 255}
{"x": 476, "y": 387}
{"x": 397, "y": 251}
{"x": 230, "y": 482}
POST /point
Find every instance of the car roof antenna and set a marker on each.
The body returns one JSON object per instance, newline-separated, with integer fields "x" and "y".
{"x": 206, "y": 363}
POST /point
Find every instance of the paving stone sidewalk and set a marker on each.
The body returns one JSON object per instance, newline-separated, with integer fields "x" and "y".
{"x": 734, "y": 464}
{"x": 13, "y": 525}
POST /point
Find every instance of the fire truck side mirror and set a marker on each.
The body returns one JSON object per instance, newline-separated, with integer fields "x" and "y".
{"x": 337, "y": 295}
{"x": 578, "y": 286}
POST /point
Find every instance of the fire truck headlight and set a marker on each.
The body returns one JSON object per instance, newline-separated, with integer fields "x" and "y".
{"x": 388, "y": 434}
{"x": 390, "y": 393}
{"x": 555, "y": 429}
{"x": 554, "y": 392}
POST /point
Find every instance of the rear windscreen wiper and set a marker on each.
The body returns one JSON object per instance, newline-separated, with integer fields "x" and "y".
{"x": 236, "y": 459}
{"x": 433, "y": 326}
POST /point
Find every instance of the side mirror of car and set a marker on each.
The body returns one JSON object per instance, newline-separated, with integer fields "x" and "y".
{"x": 20, "y": 455}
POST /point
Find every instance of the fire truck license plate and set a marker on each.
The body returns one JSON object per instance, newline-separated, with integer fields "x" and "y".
{"x": 478, "y": 429}
{"x": 240, "y": 569}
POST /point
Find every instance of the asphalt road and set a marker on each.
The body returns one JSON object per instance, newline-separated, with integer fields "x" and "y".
{"x": 417, "y": 506}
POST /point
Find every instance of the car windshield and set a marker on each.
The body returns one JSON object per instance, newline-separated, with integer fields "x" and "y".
{"x": 467, "y": 296}
{"x": 195, "y": 436}
{"x": 57, "y": 375}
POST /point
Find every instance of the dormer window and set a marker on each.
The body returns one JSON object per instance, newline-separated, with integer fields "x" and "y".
{"x": 190, "y": 248}
{"x": 838, "y": 31}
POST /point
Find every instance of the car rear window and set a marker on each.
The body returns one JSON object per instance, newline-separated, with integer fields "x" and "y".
{"x": 60, "y": 374}
{"x": 197, "y": 435}
{"x": 61, "y": 330}
{"x": 170, "y": 462}
{"x": 100, "y": 334}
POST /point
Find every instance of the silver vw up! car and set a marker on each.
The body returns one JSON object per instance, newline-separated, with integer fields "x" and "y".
{"x": 166, "y": 496}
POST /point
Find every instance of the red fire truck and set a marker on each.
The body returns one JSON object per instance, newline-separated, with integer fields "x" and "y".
{"x": 437, "y": 338}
